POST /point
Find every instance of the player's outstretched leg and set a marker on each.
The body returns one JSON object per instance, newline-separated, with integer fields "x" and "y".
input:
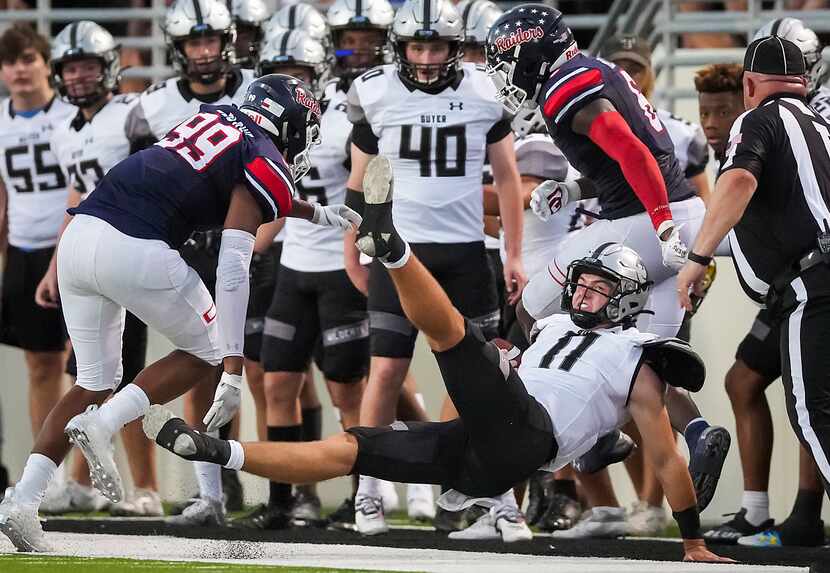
{"x": 286, "y": 462}
{"x": 423, "y": 300}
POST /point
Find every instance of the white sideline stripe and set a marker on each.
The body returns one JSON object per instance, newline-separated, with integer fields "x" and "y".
{"x": 356, "y": 556}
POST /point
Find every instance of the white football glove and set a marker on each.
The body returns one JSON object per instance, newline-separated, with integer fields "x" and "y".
{"x": 225, "y": 402}
{"x": 338, "y": 216}
{"x": 550, "y": 196}
{"x": 674, "y": 250}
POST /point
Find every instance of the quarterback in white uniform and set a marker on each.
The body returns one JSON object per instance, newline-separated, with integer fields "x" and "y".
{"x": 86, "y": 70}
{"x": 583, "y": 376}
{"x": 201, "y": 36}
{"x": 434, "y": 118}
{"x": 32, "y": 202}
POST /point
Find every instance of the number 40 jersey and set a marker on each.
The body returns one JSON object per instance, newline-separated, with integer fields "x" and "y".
{"x": 436, "y": 143}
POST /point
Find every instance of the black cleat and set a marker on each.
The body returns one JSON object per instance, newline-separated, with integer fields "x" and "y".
{"x": 232, "y": 490}
{"x": 265, "y": 517}
{"x": 343, "y": 516}
{"x": 448, "y": 521}
{"x": 306, "y": 510}
{"x": 376, "y": 236}
{"x": 537, "y": 503}
{"x": 174, "y": 435}
{"x": 707, "y": 461}
{"x": 609, "y": 449}
{"x": 562, "y": 513}
{"x": 728, "y": 533}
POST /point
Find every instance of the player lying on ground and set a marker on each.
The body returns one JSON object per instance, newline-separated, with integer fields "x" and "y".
{"x": 583, "y": 375}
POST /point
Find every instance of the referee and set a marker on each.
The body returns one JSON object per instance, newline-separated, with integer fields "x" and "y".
{"x": 772, "y": 198}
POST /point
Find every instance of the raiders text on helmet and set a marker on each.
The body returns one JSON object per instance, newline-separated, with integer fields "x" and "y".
{"x": 795, "y": 31}
{"x": 187, "y": 19}
{"x": 629, "y": 294}
{"x": 248, "y": 17}
{"x": 345, "y": 15}
{"x": 287, "y": 110}
{"x": 82, "y": 40}
{"x": 425, "y": 21}
{"x": 293, "y": 48}
{"x": 523, "y": 47}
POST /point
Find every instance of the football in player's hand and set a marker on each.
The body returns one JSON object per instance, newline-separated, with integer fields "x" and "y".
{"x": 511, "y": 351}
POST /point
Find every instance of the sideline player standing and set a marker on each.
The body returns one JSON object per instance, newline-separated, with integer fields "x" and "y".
{"x": 32, "y": 200}
{"x": 200, "y": 36}
{"x": 434, "y": 117}
{"x": 584, "y": 375}
{"x": 224, "y": 166}
{"x": 86, "y": 70}
{"x": 771, "y": 198}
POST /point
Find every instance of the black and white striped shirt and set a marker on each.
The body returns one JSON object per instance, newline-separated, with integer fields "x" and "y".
{"x": 785, "y": 144}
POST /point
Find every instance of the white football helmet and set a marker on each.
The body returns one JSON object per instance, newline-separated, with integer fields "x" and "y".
{"x": 367, "y": 15}
{"x": 189, "y": 19}
{"x": 82, "y": 40}
{"x": 248, "y": 17}
{"x": 296, "y": 49}
{"x": 300, "y": 17}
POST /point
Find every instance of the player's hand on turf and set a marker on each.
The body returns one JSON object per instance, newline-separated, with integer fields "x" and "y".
{"x": 47, "y": 294}
{"x": 674, "y": 250}
{"x": 550, "y": 196}
{"x": 696, "y": 550}
{"x": 690, "y": 279}
{"x": 515, "y": 279}
{"x": 225, "y": 402}
{"x": 338, "y": 216}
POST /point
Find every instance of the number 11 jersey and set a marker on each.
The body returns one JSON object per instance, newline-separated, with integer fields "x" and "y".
{"x": 436, "y": 143}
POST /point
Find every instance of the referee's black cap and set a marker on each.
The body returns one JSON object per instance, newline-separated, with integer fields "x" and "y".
{"x": 775, "y": 56}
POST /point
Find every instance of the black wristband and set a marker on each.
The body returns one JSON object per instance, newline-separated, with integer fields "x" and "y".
{"x": 688, "y": 521}
{"x": 355, "y": 201}
{"x": 699, "y": 259}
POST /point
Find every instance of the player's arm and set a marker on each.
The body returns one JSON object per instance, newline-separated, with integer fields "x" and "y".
{"x": 508, "y": 186}
{"x": 4, "y": 219}
{"x": 46, "y": 293}
{"x": 137, "y": 129}
{"x": 606, "y": 127}
{"x": 649, "y": 414}
{"x": 701, "y": 184}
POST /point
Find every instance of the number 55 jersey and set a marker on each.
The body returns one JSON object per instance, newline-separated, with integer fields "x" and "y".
{"x": 184, "y": 182}
{"x": 436, "y": 143}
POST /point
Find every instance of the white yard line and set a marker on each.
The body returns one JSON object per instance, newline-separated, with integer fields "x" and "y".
{"x": 358, "y": 556}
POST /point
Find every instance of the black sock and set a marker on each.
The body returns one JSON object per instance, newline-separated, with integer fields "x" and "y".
{"x": 280, "y": 493}
{"x": 312, "y": 424}
{"x": 225, "y": 431}
{"x": 807, "y": 506}
{"x": 565, "y": 487}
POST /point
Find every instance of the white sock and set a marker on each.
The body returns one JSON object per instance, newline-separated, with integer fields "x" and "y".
{"x": 508, "y": 499}
{"x": 37, "y": 474}
{"x": 368, "y": 486}
{"x": 400, "y": 262}
{"x": 756, "y": 504}
{"x": 129, "y": 404}
{"x": 209, "y": 477}
{"x": 237, "y": 459}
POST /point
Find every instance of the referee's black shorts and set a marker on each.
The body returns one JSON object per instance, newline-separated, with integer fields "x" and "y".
{"x": 462, "y": 270}
{"x": 502, "y": 435}
{"x": 23, "y": 323}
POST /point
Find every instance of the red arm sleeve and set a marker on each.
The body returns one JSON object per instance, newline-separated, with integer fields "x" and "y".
{"x": 611, "y": 133}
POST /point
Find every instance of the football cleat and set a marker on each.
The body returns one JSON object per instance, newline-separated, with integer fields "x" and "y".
{"x": 707, "y": 461}
{"x": 368, "y": 514}
{"x": 88, "y": 433}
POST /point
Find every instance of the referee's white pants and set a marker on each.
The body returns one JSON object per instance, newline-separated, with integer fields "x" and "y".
{"x": 102, "y": 271}
{"x": 543, "y": 294}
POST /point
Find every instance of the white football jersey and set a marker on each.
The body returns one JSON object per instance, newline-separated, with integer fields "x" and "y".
{"x": 821, "y": 102}
{"x": 35, "y": 185}
{"x": 436, "y": 143}
{"x": 309, "y": 247}
{"x": 86, "y": 150}
{"x": 583, "y": 378}
{"x": 166, "y": 104}
{"x": 690, "y": 145}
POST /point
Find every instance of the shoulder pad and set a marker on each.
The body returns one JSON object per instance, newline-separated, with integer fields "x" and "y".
{"x": 675, "y": 363}
{"x": 125, "y": 98}
{"x": 155, "y": 87}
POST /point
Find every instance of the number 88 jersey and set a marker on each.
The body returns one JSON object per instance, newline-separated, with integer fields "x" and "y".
{"x": 35, "y": 185}
{"x": 585, "y": 79}
{"x": 436, "y": 143}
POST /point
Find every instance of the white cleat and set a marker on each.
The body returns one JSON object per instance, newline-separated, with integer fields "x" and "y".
{"x": 389, "y": 495}
{"x": 86, "y": 432}
{"x": 420, "y": 502}
{"x": 645, "y": 519}
{"x": 204, "y": 512}
{"x": 20, "y": 524}
{"x": 143, "y": 503}
{"x": 57, "y": 499}
{"x": 599, "y": 522}
{"x": 368, "y": 515}
{"x": 482, "y": 529}
{"x": 504, "y": 522}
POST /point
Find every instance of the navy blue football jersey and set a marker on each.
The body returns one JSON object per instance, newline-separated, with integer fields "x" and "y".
{"x": 184, "y": 182}
{"x": 574, "y": 85}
